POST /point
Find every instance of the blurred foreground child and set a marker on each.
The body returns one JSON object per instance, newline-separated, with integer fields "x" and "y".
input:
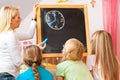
{"x": 33, "y": 59}
{"x": 72, "y": 67}
{"x": 103, "y": 63}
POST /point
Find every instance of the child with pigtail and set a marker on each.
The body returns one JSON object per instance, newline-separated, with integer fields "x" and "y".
{"x": 32, "y": 58}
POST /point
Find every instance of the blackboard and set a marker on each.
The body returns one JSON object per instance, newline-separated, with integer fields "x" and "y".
{"x": 61, "y": 22}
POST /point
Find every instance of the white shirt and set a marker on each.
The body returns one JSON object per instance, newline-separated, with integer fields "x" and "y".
{"x": 96, "y": 71}
{"x": 10, "y": 49}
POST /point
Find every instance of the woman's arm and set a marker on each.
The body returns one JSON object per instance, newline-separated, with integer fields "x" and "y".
{"x": 28, "y": 33}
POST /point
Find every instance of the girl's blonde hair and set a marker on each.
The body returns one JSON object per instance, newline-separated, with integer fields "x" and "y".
{"x": 73, "y": 50}
{"x": 102, "y": 47}
{"x": 33, "y": 58}
{"x": 6, "y": 14}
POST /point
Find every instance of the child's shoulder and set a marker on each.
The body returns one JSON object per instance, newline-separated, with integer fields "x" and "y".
{"x": 64, "y": 63}
{"x": 91, "y": 56}
{"x": 43, "y": 70}
{"x": 24, "y": 74}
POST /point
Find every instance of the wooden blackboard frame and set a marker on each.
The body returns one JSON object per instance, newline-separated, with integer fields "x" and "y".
{"x": 38, "y": 30}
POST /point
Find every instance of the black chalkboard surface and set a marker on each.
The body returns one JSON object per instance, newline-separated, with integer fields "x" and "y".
{"x": 59, "y": 23}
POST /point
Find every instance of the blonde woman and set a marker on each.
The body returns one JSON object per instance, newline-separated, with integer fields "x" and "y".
{"x": 33, "y": 59}
{"x": 103, "y": 63}
{"x": 10, "y": 48}
{"x": 72, "y": 67}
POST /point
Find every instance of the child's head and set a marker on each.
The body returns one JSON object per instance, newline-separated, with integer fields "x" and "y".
{"x": 102, "y": 47}
{"x": 73, "y": 50}
{"x": 32, "y": 54}
{"x": 33, "y": 58}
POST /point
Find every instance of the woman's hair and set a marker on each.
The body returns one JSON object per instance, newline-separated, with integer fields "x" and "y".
{"x": 33, "y": 58}
{"x": 6, "y": 14}
{"x": 73, "y": 50}
{"x": 102, "y": 47}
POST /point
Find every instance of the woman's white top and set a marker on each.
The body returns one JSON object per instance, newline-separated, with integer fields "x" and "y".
{"x": 11, "y": 49}
{"x": 96, "y": 71}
